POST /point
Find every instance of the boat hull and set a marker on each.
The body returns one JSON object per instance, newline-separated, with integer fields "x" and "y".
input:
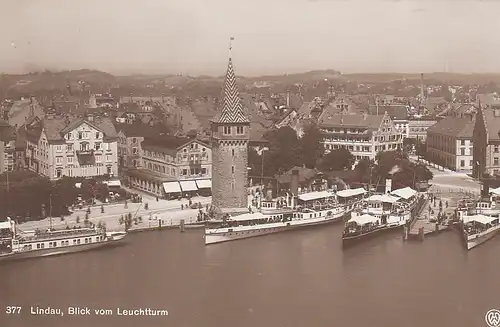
{"x": 473, "y": 241}
{"x": 355, "y": 239}
{"x": 212, "y": 237}
{"x": 61, "y": 250}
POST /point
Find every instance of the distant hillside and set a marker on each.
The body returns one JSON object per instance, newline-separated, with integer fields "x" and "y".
{"x": 437, "y": 77}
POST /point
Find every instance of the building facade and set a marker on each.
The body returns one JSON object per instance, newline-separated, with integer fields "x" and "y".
{"x": 72, "y": 146}
{"x": 230, "y": 137}
{"x": 417, "y": 128}
{"x": 450, "y": 143}
{"x": 363, "y": 135}
{"x": 129, "y": 151}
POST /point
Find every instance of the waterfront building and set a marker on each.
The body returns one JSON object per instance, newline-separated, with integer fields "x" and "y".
{"x": 72, "y": 146}
{"x": 487, "y": 141}
{"x": 230, "y": 137}
{"x": 362, "y": 134}
{"x": 173, "y": 167}
{"x": 449, "y": 143}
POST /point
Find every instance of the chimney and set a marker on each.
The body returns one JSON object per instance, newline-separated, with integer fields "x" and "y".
{"x": 151, "y": 97}
{"x": 422, "y": 89}
{"x": 365, "y": 115}
{"x": 163, "y": 98}
{"x": 90, "y": 117}
{"x": 269, "y": 192}
{"x": 294, "y": 186}
{"x": 131, "y": 99}
{"x": 485, "y": 189}
{"x": 341, "y": 119}
{"x": 376, "y": 103}
{"x": 388, "y": 185}
{"x": 288, "y": 98}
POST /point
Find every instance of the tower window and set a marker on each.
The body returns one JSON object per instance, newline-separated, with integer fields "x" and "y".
{"x": 227, "y": 130}
{"x": 232, "y": 152}
{"x": 232, "y": 169}
{"x": 239, "y": 130}
{"x": 232, "y": 186}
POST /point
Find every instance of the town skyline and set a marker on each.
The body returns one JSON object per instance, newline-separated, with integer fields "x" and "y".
{"x": 283, "y": 36}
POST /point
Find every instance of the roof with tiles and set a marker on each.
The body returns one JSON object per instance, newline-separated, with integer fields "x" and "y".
{"x": 56, "y": 127}
{"x": 352, "y": 120}
{"x": 139, "y": 130}
{"x": 459, "y": 127}
{"x": 232, "y": 110}
{"x": 397, "y": 112}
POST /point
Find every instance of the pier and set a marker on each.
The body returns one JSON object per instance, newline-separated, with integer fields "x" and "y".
{"x": 426, "y": 222}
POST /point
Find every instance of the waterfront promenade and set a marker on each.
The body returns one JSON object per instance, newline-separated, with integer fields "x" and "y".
{"x": 168, "y": 211}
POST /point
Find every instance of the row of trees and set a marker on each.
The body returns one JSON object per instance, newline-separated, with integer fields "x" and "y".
{"x": 26, "y": 195}
{"x": 286, "y": 151}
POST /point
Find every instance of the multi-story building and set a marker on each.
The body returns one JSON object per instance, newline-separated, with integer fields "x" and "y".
{"x": 398, "y": 114}
{"x": 363, "y": 135}
{"x": 449, "y": 143}
{"x": 417, "y": 127}
{"x": 60, "y": 146}
{"x": 130, "y": 137}
{"x": 487, "y": 142}
{"x": 173, "y": 166}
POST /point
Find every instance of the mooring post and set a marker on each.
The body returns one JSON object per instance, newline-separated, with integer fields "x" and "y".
{"x": 421, "y": 234}
{"x": 182, "y": 225}
{"x": 405, "y": 233}
{"x": 436, "y": 228}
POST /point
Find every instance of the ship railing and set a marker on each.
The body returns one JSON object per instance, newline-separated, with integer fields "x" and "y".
{"x": 69, "y": 233}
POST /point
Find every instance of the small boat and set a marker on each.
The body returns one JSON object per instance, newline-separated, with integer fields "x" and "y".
{"x": 377, "y": 214}
{"x": 314, "y": 208}
{"x": 31, "y": 244}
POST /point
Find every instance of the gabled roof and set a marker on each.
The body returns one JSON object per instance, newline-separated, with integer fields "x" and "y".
{"x": 492, "y": 124}
{"x": 139, "y": 130}
{"x": 460, "y": 127}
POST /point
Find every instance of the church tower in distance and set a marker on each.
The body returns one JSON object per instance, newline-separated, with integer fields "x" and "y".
{"x": 230, "y": 137}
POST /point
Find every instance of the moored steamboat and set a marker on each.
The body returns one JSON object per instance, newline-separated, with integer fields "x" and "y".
{"x": 16, "y": 244}
{"x": 312, "y": 209}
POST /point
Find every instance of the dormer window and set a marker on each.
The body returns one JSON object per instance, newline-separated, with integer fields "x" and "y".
{"x": 80, "y": 135}
{"x": 227, "y": 130}
{"x": 97, "y": 135}
{"x": 239, "y": 130}
{"x": 68, "y": 136}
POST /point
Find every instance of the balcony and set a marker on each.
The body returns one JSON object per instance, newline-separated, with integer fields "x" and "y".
{"x": 85, "y": 152}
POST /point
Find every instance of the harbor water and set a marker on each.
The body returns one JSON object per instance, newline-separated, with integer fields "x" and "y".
{"x": 294, "y": 279}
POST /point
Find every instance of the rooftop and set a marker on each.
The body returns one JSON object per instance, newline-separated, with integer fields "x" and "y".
{"x": 352, "y": 120}
{"x": 460, "y": 127}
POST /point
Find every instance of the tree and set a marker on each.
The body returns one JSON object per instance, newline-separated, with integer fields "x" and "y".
{"x": 284, "y": 151}
{"x": 338, "y": 159}
{"x": 421, "y": 149}
{"x": 311, "y": 145}
{"x": 364, "y": 169}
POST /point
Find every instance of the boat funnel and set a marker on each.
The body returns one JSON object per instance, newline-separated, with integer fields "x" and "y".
{"x": 388, "y": 185}
{"x": 485, "y": 189}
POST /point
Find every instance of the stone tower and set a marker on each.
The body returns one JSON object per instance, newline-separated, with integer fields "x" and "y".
{"x": 230, "y": 137}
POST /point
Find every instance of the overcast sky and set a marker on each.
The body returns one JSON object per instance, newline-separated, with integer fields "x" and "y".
{"x": 271, "y": 36}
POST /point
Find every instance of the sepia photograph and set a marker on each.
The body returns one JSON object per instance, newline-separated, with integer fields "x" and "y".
{"x": 229, "y": 163}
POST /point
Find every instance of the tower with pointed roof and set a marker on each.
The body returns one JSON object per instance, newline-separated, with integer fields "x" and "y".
{"x": 230, "y": 134}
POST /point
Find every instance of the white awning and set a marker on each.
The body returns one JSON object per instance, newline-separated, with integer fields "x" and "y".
{"x": 351, "y": 192}
{"x": 113, "y": 183}
{"x": 495, "y": 191}
{"x": 204, "y": 183}
{"x": 5, "y": 225}
{"x": 383, "y": 198}
{"x": 315, "y": 195}
{"x": 363, "y": 219}
{"x": 188, "y": 186}
{"x": 404, "y": 193}
{"x": 172, "y": 187}
{"x": 482, "y": 219}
